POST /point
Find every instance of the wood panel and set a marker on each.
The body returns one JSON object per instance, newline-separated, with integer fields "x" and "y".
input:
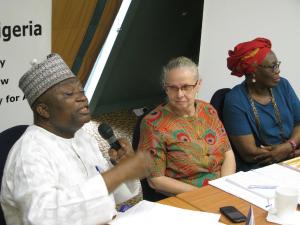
{"x": 176, "y": 202}
{"x": 109, "y": 13}
{"x": 70, "y": 19}
{"x": 210, "y": 199}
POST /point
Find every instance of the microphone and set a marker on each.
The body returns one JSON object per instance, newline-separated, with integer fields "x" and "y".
{"x": 108, "y": 134}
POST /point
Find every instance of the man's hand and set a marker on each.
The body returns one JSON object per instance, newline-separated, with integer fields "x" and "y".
{"x": 128, "y": 166}
{"x": 125, "y": 151}
{"x": 135, "y": 165}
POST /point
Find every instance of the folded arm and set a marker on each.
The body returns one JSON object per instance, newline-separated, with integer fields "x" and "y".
{"x": 264, "y": 155}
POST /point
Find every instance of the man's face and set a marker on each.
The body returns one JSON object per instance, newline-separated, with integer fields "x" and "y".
{"x": 67, "y": 107}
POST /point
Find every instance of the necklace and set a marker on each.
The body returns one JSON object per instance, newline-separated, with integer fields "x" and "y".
{"x": 257, "y": 119}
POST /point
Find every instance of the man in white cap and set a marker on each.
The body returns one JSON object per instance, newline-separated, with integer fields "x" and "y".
{"x": 50, "y": 175}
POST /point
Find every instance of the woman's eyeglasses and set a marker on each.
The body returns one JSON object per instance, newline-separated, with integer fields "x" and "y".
{"x": 184, "y": 88}
{"x": 274, "y": 67}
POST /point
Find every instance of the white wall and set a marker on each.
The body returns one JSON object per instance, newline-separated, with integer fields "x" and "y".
{"x": 229, "y": 22}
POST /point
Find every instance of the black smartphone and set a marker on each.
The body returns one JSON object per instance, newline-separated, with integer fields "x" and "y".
{"x": 233, "y": 214}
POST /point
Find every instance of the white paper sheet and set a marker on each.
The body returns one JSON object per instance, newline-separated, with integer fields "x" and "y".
{"x": 151, "y": 213}
{"x": 235, "y": 190}
{"x": 292, "y": 220}
{"x": 265, "y": 186}
{"x": 273, "y": 175}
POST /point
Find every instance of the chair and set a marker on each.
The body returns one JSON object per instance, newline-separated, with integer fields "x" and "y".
{"x": 217, "y": 101}
{"x": 7, "y": 139}
{"x": 148, "y": 193}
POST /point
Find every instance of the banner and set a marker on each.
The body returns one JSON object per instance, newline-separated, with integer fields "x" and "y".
{"x": 25, "y": 34}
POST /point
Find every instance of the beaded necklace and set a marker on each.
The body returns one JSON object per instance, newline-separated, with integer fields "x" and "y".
{"x": 257, "y": 119}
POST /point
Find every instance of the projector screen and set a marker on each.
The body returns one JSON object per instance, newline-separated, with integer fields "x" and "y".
{"x": 228, "y": 22}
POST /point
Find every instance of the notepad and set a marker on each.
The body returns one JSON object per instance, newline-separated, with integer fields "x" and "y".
{"x": 273, "y": 175}
{"x": 293, "y": 164}
{"x": 247, "y": 179}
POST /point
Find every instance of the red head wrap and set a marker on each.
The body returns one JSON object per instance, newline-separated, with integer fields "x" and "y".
{"x": 245, "y": 55}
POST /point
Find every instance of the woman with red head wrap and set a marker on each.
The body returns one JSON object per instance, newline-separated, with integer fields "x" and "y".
{"x": 245, "y": 56}
{"x": 262, "y": 114}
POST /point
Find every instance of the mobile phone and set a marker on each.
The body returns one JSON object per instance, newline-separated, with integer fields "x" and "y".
{"x": 233, "y": 214}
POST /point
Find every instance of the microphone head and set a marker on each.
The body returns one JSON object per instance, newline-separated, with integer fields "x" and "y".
{"x": 105, "y": 131}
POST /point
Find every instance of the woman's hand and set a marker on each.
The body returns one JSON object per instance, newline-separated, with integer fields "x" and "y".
{"x": 276, "y": 153}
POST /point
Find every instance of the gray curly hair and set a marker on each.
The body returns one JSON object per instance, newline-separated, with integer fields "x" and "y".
{"x": 179, "y": 62}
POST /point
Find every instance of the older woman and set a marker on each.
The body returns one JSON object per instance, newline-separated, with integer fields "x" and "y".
{"x": 262, "y": 114}
{"x": 186, "y": 139}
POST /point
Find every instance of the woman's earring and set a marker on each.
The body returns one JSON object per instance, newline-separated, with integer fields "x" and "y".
{"x": 253, "y": 78}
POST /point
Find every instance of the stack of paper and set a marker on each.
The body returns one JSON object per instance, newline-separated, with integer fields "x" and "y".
{"x": 151, "y": 213}
{"x": 258, "y": 186}
{"x": 254, "y": 182}
{"x": 223, "y": 184}
{"x": 293, "y": 163}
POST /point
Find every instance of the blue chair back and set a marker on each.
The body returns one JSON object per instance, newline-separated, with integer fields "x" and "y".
{"x": 148, "y": 193}
{"x": 7, "y": 140}
{"x": 217, "y": 101}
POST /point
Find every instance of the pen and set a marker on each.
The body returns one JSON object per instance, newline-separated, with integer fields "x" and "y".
{"x": 98, "y": 169}
{"x": 262, "y": 186}
{"x": 269, "y": 205}
{"x": 123, "y": 208}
